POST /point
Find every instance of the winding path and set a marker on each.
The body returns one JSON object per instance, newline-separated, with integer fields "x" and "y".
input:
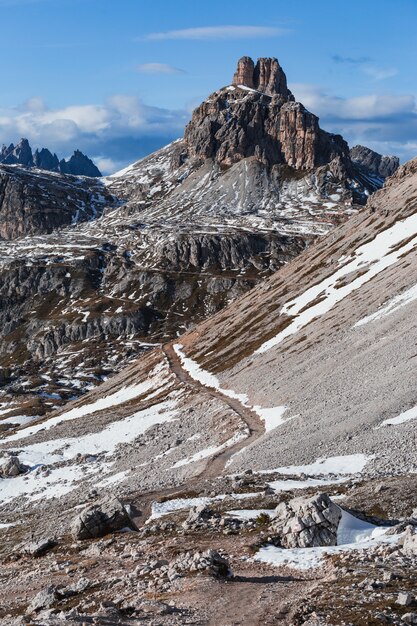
{"x": 256, "y": 428}
{"x": 215, "y": 465}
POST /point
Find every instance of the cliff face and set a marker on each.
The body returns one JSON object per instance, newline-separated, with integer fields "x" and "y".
{"x": 32, "y": 202}
{"x": 380, "y": 165}
{"x": 257, "y": 116}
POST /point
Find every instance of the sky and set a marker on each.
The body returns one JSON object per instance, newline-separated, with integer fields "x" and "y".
{"x": 120, "y": 78}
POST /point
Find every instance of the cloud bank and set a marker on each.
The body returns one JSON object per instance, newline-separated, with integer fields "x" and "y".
{"x": 115, "y": 133}
{"x": 385, "y": 122}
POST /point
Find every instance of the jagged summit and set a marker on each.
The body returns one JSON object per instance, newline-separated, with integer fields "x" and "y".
{"x": 79, "y": 164}
{"x": 266, "y": 76}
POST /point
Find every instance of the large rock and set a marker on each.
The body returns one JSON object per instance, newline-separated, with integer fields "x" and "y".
{"x": 100, "y": 519}
{"x": 12, "y": 467}
{"x": 266, "y": 76}
{"x": 20, "y": 154}
{"x": 44, "y": 600}
{"x": 79, "y": 165}
{"x": 410, "y": 541}
{"x": 307, "y": 522}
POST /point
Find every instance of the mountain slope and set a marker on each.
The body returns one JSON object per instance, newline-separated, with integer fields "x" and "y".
{"x": 166, "y": 242}
{"x": 305, "y": 381}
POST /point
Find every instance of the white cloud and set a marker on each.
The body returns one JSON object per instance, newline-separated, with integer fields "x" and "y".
{"x": 379, "y": 73}
{"x": 367, "y": 107}
{"x": 219, "y": 32}
{"x": 119, "y": 131}
{"x": 158, "y": 68}
{"x": 386, "y": 123}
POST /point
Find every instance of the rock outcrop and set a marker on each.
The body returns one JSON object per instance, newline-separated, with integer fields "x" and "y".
{"x": 100, "y": 519}
{"x": 45, "y": 160}
{"x": 257, "y": 117}
{"x": 12, "y": 467}
{"x": 307, "y": 522}
{"x": 380, "y": 165}
{"x": 266, "y": 76}
{"x": 79, "y": 165}
{"x": 20, "y": 154}
{"x": 32, "y": 202}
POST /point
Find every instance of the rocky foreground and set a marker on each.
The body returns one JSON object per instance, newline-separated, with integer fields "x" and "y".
{"x": 216, "y": 563}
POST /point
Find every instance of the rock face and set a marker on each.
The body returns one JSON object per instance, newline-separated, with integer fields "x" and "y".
{"x": 79, "y": 165}
{"x": 264, "y": 123}
{"x": 32, "y": 203}
{"x": 375, "y": 163}
{"x": 21, "y": 154}
{"x": 45, "y": 160}
{"x": 100, "y": 519}
{"x": 307, "y": 522}
{"x": 266, "y": 76}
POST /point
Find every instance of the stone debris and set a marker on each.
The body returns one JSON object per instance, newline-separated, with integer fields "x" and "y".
{"x": 405, "y": 599}
{"x": 307, "y": 522}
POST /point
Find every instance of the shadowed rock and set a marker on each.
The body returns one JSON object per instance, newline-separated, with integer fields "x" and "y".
{"x": 100, "y": 519}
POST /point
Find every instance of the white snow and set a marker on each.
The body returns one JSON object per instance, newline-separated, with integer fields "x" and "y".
{"x": 289, "y": 485}
{"x": 376, "y": 256}
{"x": 393, "y": 305}
{"x": 272, "y": 417}
{"x": 125, "y": 394}
{"x": 348, "y": 464}
{"x": 179, "y": 504}
{"x": 247, "y": 514}
{"x": 407, "y": 416}
{"x": 61, "y": 480}
{"x": 353, "y": 534}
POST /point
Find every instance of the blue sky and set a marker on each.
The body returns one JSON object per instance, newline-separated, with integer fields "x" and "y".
{"x": 119, "y": 78}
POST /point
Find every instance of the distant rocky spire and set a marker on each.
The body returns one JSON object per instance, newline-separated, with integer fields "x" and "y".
{"x": 266, "y": 76}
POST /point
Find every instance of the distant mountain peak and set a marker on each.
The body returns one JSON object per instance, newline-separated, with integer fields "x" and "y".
{"x": 78, "y": 165}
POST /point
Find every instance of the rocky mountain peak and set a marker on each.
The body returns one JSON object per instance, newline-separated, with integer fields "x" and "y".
{"x": 380, "y": 165}
{"x": 266, "y": 76}
{"x": 21, "y": 154}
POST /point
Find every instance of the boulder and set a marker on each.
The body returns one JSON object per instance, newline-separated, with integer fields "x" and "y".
{"x": 102, "y": 518}
{"x": 12, "y": 467}
{"x": 201, "y": 514}
{"x": 44, "y": 600}
{"x": 307, "y": 522}
{"x": 410, "y": 541}
{"x": 38, "y": 547}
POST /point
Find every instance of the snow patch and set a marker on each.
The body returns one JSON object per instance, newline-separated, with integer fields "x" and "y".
{"x": 377, "y": 255}
{"x": 407, "y": 416}
{"x": 353, "y": 534}
{"x": 393, "y": 305}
